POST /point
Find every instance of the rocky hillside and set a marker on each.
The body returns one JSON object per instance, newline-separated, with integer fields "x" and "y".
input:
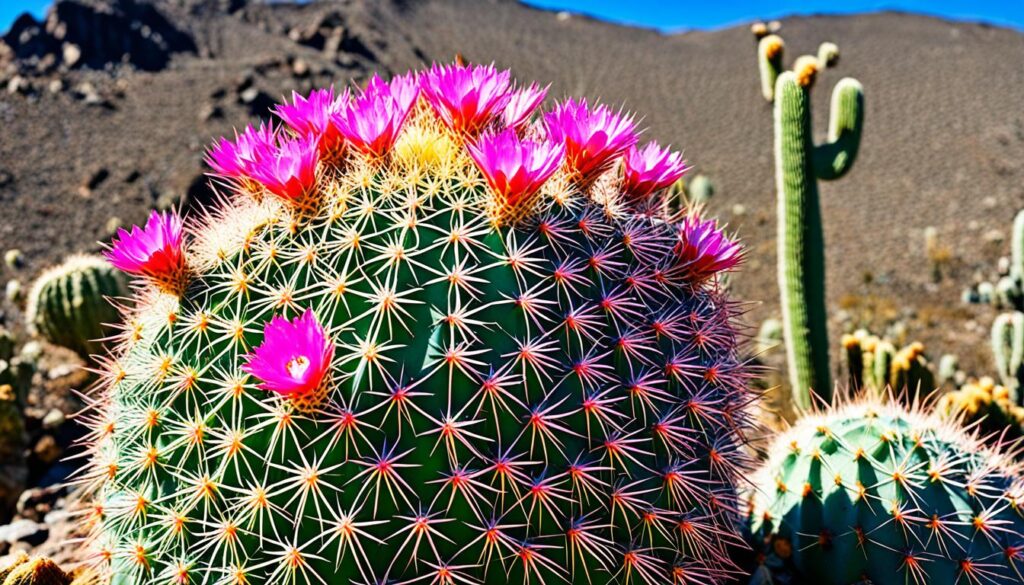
{"x": 108, "y": 105}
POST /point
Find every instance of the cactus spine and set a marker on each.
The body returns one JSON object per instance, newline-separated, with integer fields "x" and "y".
{"x": 871, "y": 492}
{"x": 69, "y": 305}
{"x": 1008, "y": 350}
{"x": 801, "y": 257}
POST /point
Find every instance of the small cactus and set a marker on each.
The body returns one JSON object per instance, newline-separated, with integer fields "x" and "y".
{"x": 36, "y": 571}
{"x": 828, "y": 55}
{"x": 872, "y": 492}
{"x": 1008, "y": 291}
{"x": 769, "y": 335}
{"x": 799, "y": 163}
{"x": 985, "y": 406}
{"x": 876, "y": 364}
{"x": 69, "y": 305}
{"x": 1008, "y": 350}
{"x": 949, "y": 372}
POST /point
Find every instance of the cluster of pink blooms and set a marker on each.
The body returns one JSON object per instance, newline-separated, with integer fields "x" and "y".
{"x": 294, "y": 358}
{"x": 704, "y": 250}
{"x": 154, "y": 251}
{"x": 481, "y": 105}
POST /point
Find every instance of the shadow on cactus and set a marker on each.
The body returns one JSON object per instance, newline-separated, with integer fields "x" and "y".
{"x": 875, "y": 493}
{"x": 432, "y": 336}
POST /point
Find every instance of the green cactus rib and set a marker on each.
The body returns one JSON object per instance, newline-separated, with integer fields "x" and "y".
{"x": 875, "y": 493}
{"x": 533, "y": 403}
{"x": 1008, "y": 351}
{"x": 70, "y": 306}
{"x": 801, "y": 254}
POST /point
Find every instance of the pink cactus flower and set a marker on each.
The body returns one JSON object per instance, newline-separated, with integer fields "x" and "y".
{"x": 515, "y": 168}
{"x": 522, "y": 103}
{"x": 289, "y": 173}
{"x": 235, "y": 159}
{"x": 294, "y": 358}
{"x": 372, "y": 120}
{"x": 466, "y": 97}
{"x": 314, "y": 116}
{"x": 155, "y": 251}
{"x": 704, "y": 250}
{"x": 651, "y": 169}
{"x": 593, "y": 138}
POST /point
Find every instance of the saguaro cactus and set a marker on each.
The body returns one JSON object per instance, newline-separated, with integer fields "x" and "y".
{"x": 446, "y": 345}
{"x": 799, "y": 163}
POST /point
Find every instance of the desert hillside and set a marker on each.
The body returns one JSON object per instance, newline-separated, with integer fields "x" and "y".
{"x": 104, "y": 119}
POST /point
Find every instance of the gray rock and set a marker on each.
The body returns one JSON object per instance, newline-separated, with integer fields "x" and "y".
{"x": 22, "y": 530}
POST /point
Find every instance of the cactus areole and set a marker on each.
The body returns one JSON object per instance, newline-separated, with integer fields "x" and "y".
{"x": 448, "y": 347}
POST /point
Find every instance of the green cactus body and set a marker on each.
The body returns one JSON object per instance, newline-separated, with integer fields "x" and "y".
{"x": 69, "y": 305}
{"x": 801, "y": 256}
{"x": 1008, "y": 350}
{"x": 537, "y": 400}
{"x": 1017, "y": 248}
{"x": 873, "y": 493}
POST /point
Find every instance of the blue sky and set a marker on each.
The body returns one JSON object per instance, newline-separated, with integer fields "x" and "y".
{"x": 680, "y": 14}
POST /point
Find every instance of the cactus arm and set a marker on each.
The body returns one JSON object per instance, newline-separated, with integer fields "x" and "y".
{"x": 801, "y": 257}
{"x": 769, "y": 59}
{"x": 833, "y": 159}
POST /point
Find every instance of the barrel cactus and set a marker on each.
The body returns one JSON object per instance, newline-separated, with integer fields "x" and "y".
{"x": 70, "y": 304}
{"x": 430, "y": 337}
{"x": 871, "y": 492}
{"x": 34, "y": 571}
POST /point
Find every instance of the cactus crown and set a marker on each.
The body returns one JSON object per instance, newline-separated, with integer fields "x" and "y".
{"x": 426, "y": 349}
{"x": 874, "y": 492}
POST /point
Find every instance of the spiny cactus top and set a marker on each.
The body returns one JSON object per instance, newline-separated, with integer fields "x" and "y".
{"x": 876, "y": 493}
{"x": 431, "y": 336}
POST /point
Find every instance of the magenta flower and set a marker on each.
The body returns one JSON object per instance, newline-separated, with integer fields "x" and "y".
{"x": 294, "y": 358}
{"x": 703, "y": 249}
{"x": 650, "y": 169}
{"x": 593, "y": 138}
{"x": 466, "y": 97}
{"x": 515, "y": 168}
{"x": 521, "y": 104}
{"x": 314, "y": 116}
{"x": 235, "y": 159}
{"x": 289, "y": 173}
{"x": 154, "y": 251}
{"x": 372, "y": 120}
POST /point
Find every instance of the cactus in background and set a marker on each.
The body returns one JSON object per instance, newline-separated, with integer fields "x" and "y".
{"x": 69, "y": 305}
{"x": 949, "y": 372}
{"x": 828, "y": 55}
{"x": 871, "y": 492}
{"x": 1008, "y": 350}
{"x": 875, "y": 364}
{"x": 769, "y": 336}
{"x": 36, "y": 571}
{"x": 1008, "y": 291}
{"x": 799, "y": 163}
{"x": 770, "y": 51}
{"x": 985, "y": 406}
{"x": 485, "y": 361}
{"x": 699, "y": 190}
